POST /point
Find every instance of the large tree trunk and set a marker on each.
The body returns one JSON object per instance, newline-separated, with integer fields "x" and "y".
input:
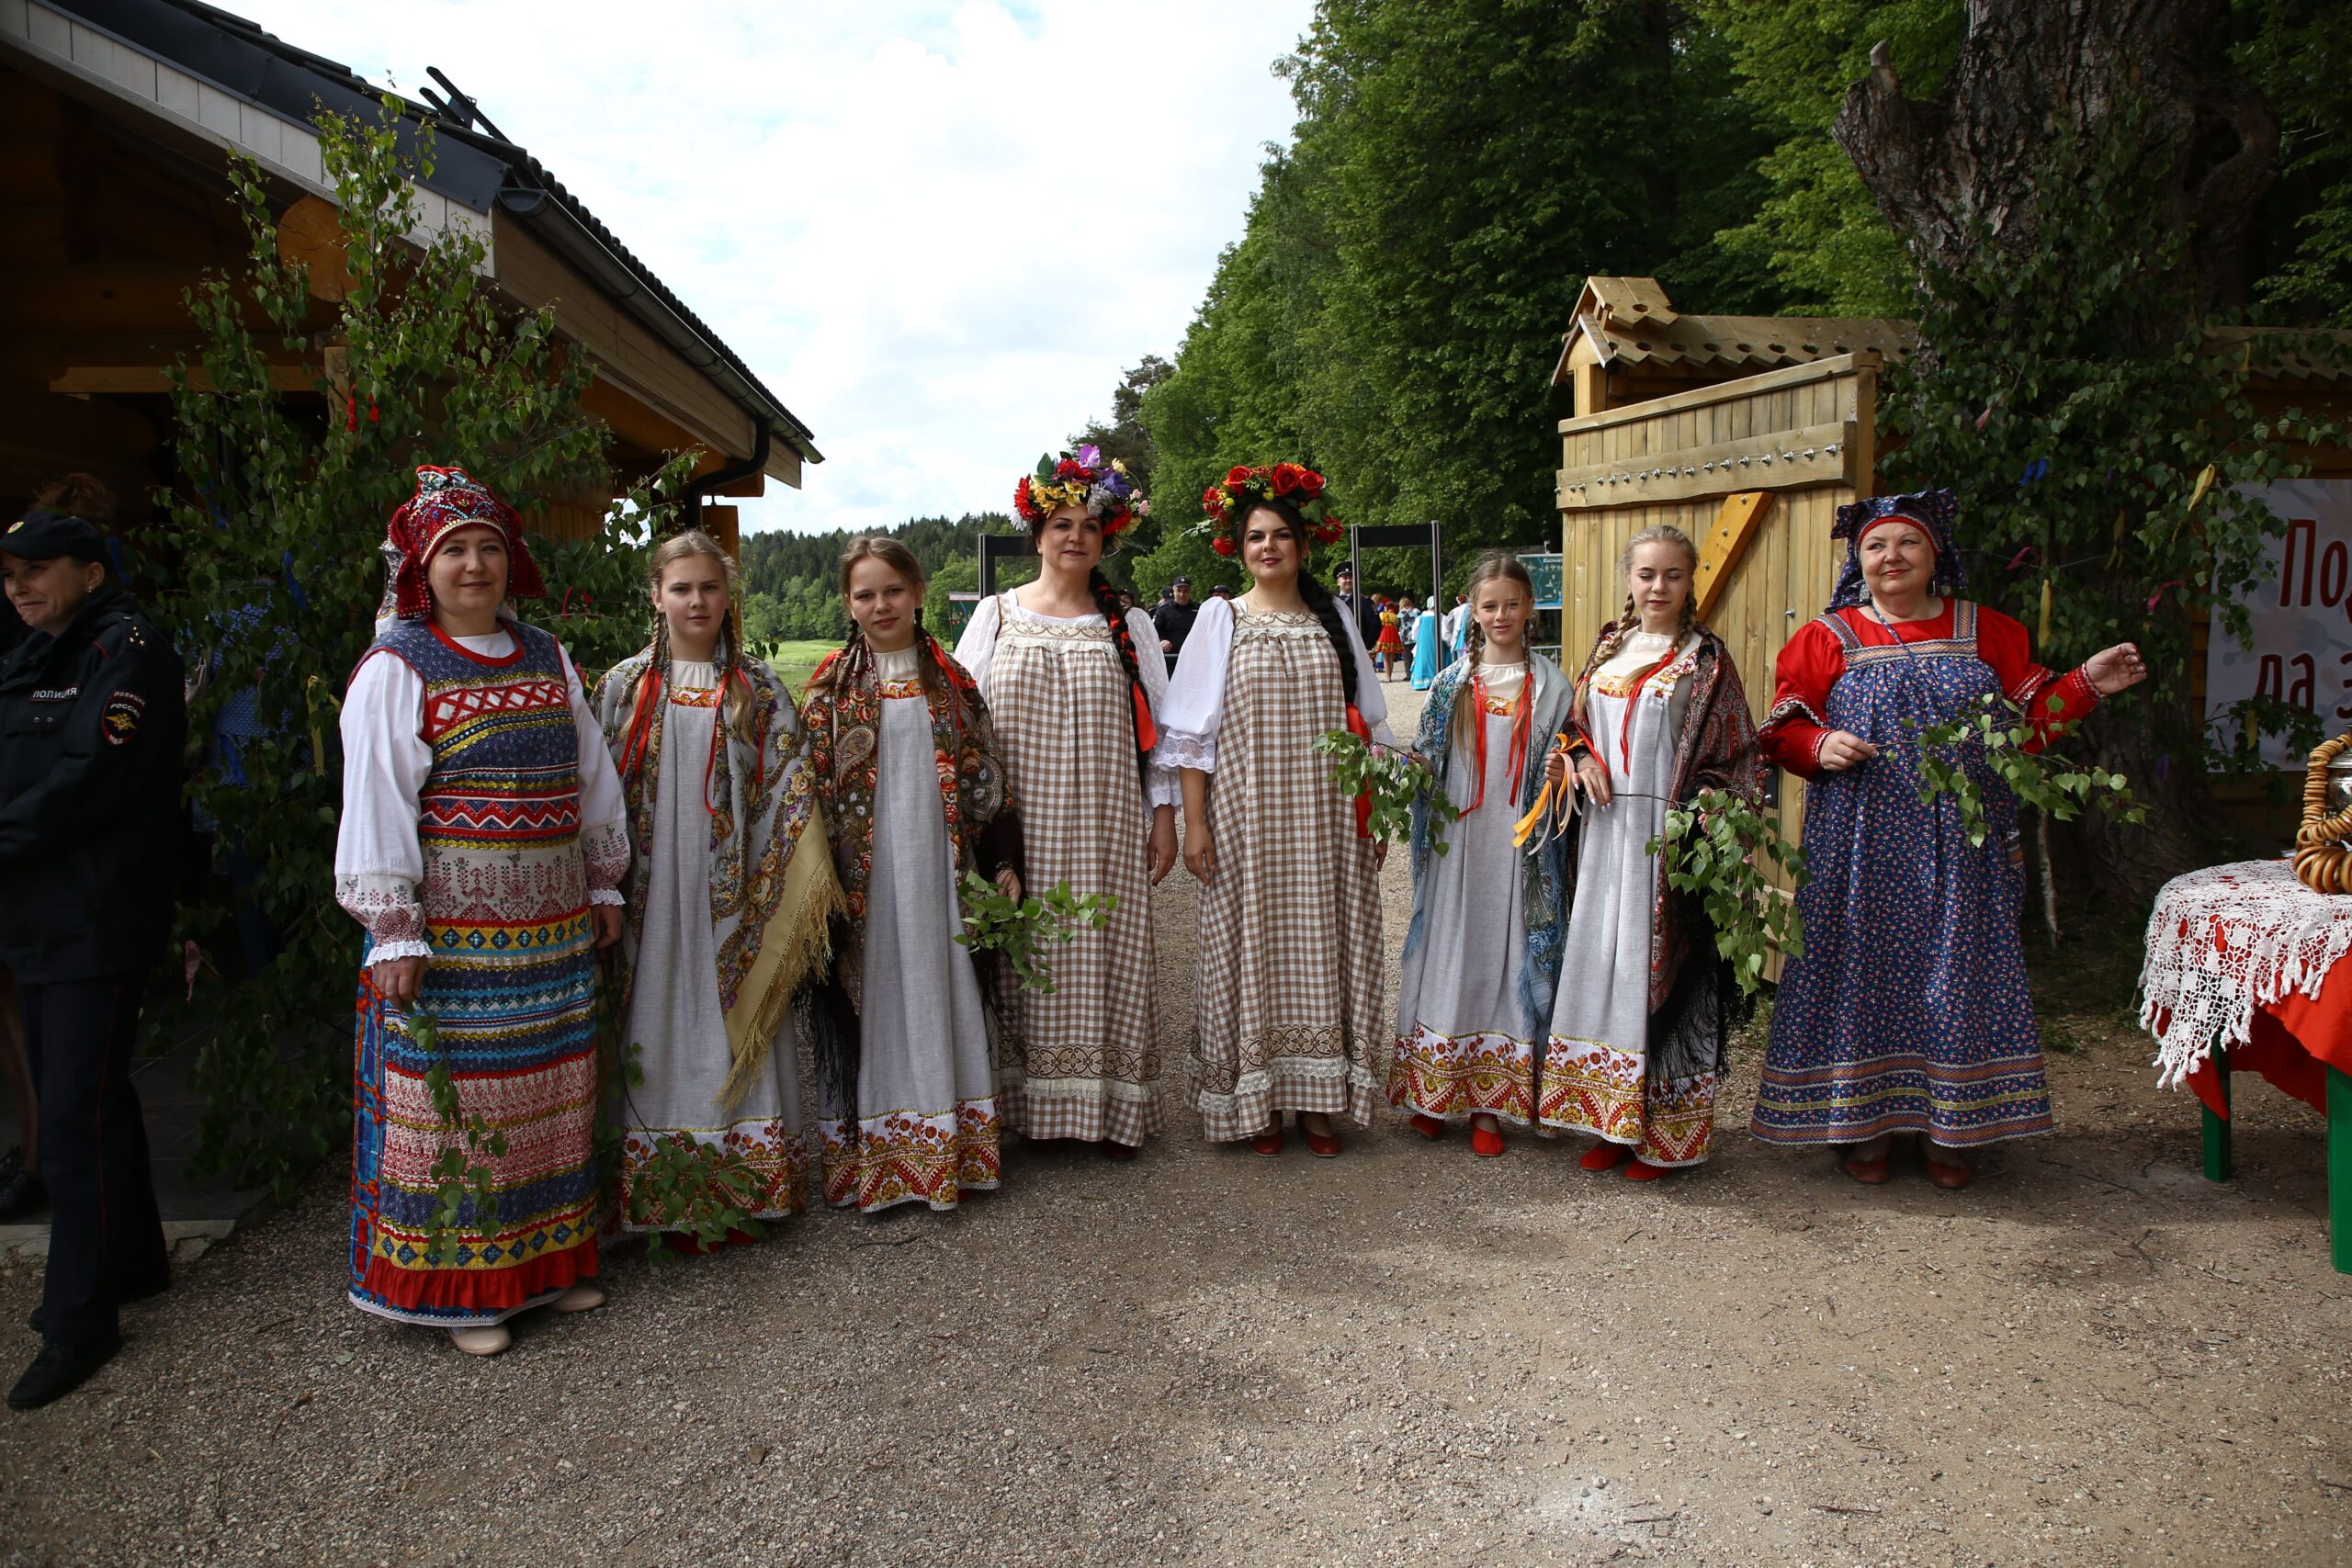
{"x": 1970, "y": 168}
{"x": 2030, "y": 72}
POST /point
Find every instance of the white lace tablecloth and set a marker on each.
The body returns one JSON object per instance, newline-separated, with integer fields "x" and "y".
{"x": 2225, "y": 941}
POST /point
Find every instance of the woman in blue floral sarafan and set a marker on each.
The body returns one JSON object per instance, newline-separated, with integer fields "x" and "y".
{"x": 1908, "y": 1012}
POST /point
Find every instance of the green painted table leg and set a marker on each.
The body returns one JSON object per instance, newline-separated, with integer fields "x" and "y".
{"x": 2219, "y": 1167}
{"x": 2340, "y": 1169}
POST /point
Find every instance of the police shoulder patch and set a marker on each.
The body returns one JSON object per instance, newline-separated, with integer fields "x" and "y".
{"x": 120, "y": 720}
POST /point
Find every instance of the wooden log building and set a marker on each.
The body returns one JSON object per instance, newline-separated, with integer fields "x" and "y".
{"x": 117, "y": 121}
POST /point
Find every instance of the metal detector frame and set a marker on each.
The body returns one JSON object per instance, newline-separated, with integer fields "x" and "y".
{"x": 1383, "y": 535}
{"x": 1001, "y": 546}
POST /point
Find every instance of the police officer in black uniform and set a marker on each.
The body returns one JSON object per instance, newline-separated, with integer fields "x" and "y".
{"x": 91, "y": 720}
{"x": 1173, "y": 618}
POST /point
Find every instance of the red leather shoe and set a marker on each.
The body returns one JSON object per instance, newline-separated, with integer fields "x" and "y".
{"x": 1642, "y": 1171}
{"x": 1485, "y": 1142}
{"x": 1429, "y": 1127}
{"x": 1868, "y": 1172}
{"x": 1322, "y": 1146}
{"x": 1604, "y": 1157}
{"x": 1951, "y": 1177}
{"x": 1268, "y": 1143}
{"x": 1111, "y": 1148}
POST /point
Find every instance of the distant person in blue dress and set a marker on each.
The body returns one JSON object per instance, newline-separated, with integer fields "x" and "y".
{"x": 1426, "y": 642}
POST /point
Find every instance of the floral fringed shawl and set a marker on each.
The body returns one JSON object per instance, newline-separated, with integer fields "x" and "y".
{"x": 771, "y": 906}
{"x": 842, "y": 712}
{"x": 1545, "y": 869}
{"x": 1716, "y": 750}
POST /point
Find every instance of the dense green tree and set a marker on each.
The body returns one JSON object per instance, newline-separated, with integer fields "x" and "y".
{"x": 2082, "y": 198}
{"x": 1817, "y": 232}
{"x": 2298, "y": 53}
{"x": 1123, "y": 436}
{"x": 1392, "y": 312}
{"x": 419, "y": 362}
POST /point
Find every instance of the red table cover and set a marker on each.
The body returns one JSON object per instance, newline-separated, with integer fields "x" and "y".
{"x": 2296, "y": 1039}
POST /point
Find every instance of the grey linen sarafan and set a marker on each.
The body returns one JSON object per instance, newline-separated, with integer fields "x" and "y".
{"x": 1288, "y": 1016}
{"x": 1081, "y": 1061}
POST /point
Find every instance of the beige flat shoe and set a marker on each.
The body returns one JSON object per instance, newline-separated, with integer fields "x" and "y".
{"x": 580, "y": 1298}
{"x": 487, "y": 1341}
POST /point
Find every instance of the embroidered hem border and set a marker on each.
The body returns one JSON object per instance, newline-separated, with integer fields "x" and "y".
{"x": 1851, "y": 1103}
{"x": 908, "y": 1156}
{"x": 1592, "y": 1088}
{"x": 1455, "y": 1076}
{"x": 462, "y": 1298}
{"x": 774, "y": 1151}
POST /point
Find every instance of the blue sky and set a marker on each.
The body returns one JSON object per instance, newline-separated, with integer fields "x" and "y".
{"x": 901, "y": 215}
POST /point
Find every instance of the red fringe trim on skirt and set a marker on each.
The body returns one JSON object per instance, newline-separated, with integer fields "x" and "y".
{"x": 480, "y": 1291}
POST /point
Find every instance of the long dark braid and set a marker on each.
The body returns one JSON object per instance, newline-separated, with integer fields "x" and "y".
{"x": 1344, "y": 641}
{"x": 1335, "y": 625}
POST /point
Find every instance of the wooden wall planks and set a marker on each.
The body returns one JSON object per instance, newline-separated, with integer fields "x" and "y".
{"x": 1786, "y": 569}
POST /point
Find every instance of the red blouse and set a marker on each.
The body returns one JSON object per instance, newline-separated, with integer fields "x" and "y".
{"x": 1813, "y": 659}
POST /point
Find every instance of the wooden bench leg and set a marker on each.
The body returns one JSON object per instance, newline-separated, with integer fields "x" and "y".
{"x": 2340, "y": 1169}
{"x": 2219, "y": 1166}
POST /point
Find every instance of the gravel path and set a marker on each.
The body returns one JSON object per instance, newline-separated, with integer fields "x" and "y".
{"x": 1405, "y": 1355}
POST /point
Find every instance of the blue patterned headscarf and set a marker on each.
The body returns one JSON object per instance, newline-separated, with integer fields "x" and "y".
{"x": 1932, "y": 510}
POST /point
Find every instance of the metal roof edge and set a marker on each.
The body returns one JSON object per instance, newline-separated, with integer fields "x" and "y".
{"x": 238, "y": 57}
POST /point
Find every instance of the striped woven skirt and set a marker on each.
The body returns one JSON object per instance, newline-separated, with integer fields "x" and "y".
{"x": 514, "y": 1010}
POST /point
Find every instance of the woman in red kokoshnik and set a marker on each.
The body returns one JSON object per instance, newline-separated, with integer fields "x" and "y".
{"x": 482, "y": 847}
{"x": 1288, "y": 1004}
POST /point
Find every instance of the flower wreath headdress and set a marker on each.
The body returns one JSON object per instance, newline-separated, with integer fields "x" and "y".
{"x": 1228, "y": 500}
{"x": 1081, "y": 479}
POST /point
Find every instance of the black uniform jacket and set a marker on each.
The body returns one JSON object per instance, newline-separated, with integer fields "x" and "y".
{"x": 92, "y": 723}
{"x": 1174, "y": 622}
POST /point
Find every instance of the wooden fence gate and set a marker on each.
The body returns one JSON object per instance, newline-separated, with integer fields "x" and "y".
{"x": 1753, "y": 470}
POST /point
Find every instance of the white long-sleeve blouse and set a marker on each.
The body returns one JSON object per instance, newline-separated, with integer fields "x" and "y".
{"x": 1196, "y": 693}
{"x": 386, "y": 759}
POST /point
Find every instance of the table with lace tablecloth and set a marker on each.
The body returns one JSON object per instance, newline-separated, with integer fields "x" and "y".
{"x": 2245, "y": 973}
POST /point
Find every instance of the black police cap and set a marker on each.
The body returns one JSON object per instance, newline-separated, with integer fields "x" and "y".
{"x": 43, "y": 534}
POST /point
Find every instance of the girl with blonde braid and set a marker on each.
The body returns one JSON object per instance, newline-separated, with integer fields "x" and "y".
{"x": 1642, "y": 1013}
{"x": 729, "y": 890}
{"x": 1483, "y": 952}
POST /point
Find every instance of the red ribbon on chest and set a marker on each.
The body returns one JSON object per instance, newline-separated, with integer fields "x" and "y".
{"x": 1362, "y": 731}
{"x": 1522, "y": 715}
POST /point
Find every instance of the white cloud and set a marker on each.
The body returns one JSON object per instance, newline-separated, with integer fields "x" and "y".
{"x": 937, "y": 232}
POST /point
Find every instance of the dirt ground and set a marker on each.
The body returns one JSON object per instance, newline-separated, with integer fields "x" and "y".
{"x": 1406, "y": 1354}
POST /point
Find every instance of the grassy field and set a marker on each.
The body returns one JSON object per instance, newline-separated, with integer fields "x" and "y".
{"x": 794, "y": 662}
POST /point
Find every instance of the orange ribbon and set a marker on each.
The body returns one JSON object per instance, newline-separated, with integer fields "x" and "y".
{"x": 640, "y": 722}
{"x": 1524, "y": 829}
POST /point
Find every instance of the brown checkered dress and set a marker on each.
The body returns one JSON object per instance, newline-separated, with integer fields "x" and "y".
{"x": 1082, "y": 1061}
{"x": 1289, "y": 1007}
